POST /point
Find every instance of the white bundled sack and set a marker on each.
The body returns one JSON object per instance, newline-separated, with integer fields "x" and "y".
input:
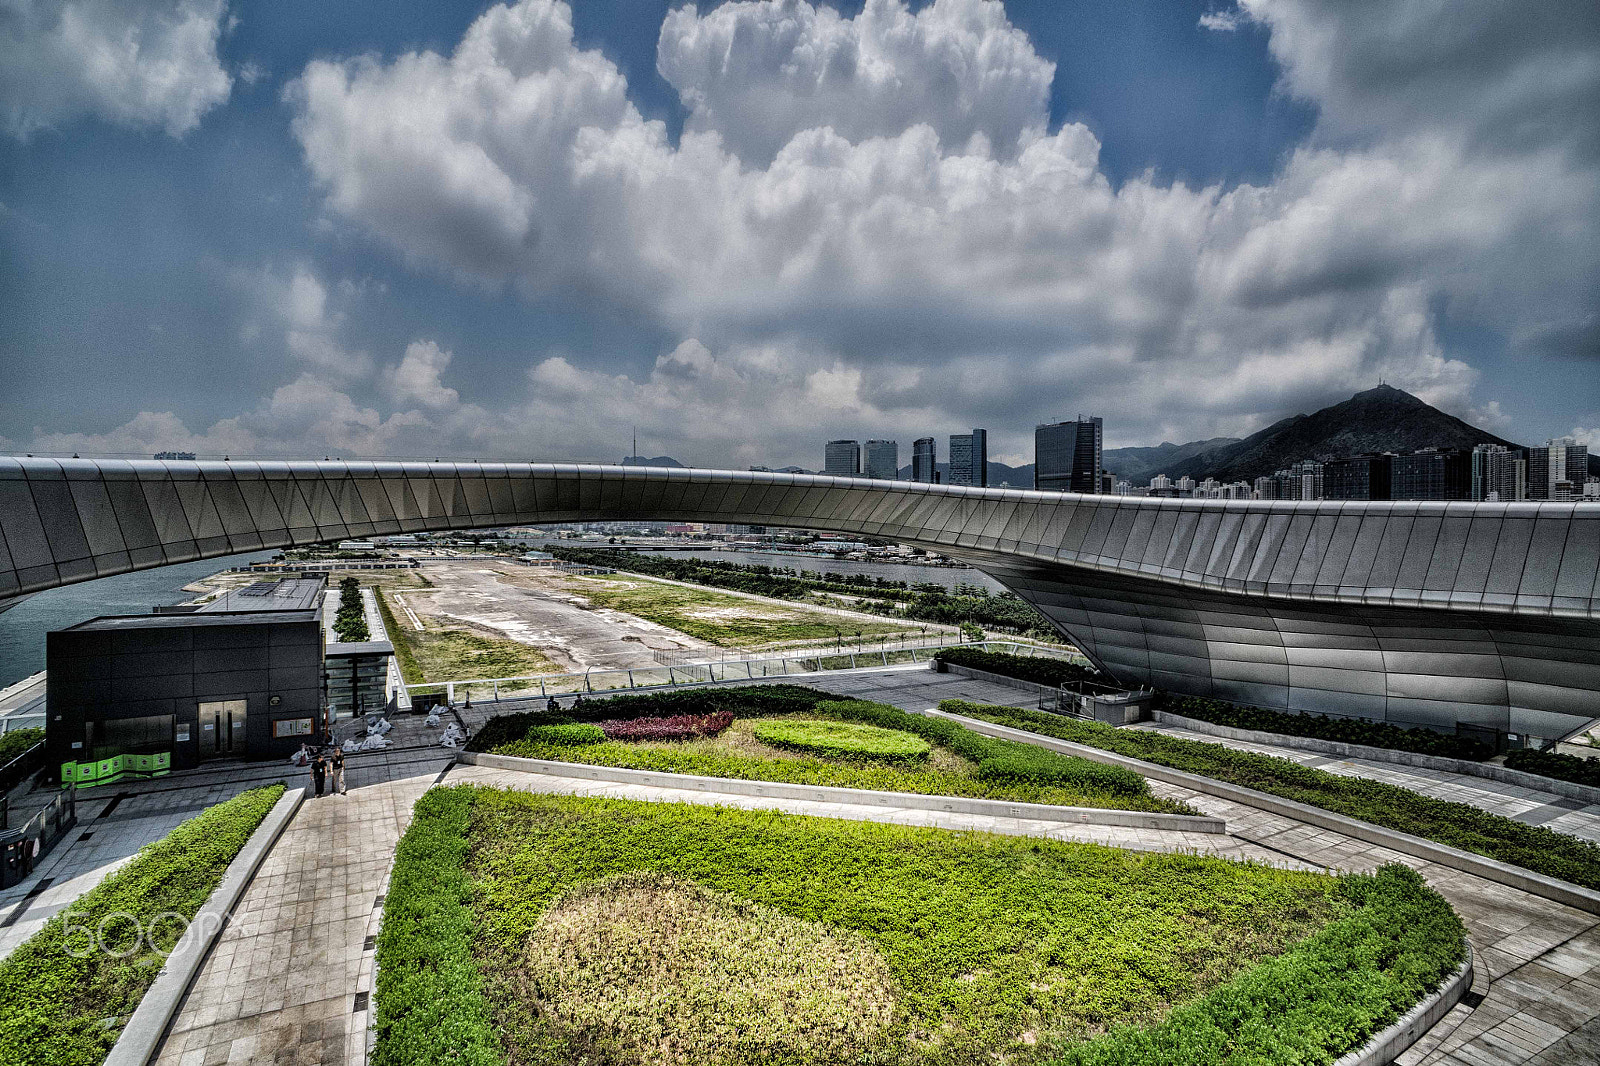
{"x": 432, "y": 721}
{"x": 351, "y": 745}
{"x": 453, "y": 736}
{"x": 374, "y": 743}
{"x": 379, "y": 728}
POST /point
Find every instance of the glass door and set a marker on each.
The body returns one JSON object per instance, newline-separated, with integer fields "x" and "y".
{"x": 221, "y": 728}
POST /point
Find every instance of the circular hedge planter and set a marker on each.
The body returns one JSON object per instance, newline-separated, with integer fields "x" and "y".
{"x": 843, "y": 740}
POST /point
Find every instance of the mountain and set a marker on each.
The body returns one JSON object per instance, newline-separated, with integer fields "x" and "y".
{"x": 1384, "y": 419}
{"x": 660, "y": 460}
{"x": 1139, "y": 465}
{"x": 1019, "y": 477}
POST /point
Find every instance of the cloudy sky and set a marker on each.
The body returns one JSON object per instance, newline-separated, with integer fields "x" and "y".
{"x": 356, "y": 228}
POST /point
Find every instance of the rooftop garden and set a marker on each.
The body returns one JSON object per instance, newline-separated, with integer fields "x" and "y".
{"x": 796, "y": 735}
{"x": 536, "y": 929}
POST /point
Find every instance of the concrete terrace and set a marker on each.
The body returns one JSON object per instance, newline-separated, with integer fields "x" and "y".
{"x": 290, "y": 979}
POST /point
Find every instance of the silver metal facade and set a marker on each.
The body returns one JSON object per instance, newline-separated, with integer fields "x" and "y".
{"x": 1417, "y": 613}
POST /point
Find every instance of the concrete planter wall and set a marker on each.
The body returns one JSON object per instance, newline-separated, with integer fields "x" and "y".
{"x": 733, "y": 786}
{"x": 1490, "y": 771}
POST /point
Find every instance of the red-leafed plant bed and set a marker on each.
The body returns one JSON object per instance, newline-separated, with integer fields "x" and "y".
{"x": 677, "y": 727}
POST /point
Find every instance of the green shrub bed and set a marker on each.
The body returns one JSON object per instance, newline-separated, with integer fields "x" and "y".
{"x": 843, "y": 740}
{"x": 1457, "y": 824}
{"x": 565, "y": 735}
{"x": 757, "y": 937}
{"x": 999, "y": 769}
{"x": 1040, "y": 669}
{"x": 1554, "y": 764}
{"x": 60, "y": 987}
{"x": 18, "y": 741}
{"x": 1343, "y": 730}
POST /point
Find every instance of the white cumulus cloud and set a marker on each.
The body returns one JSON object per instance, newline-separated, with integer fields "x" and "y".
{"x": 758, "y": 73}
{"x": 137, "y": 63}
{"x": 870, "y": 227}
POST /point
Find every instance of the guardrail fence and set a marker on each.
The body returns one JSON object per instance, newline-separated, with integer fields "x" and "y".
{"x": 547, "y": 685}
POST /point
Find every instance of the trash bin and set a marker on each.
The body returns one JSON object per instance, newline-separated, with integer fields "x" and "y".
{"x": 16, "y": 857}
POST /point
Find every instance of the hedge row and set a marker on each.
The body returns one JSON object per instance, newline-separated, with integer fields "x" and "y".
{"x": 1319, "y": 1000}
{"x": 430, "y": 1002}
{"x": 350, "y": 623}
{"x": 1456, "y": 824}
{"x": 677, "y": 727}
{"x": 1040, "y": 669}
{"x": 61, "y": 986}
{"x": 1554, "y": 764}
{"x": 1343, "y": 730}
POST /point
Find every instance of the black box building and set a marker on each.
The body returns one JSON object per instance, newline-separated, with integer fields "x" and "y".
{"x": 1431, "y": 474}
{"x": 1356, "y": 477}
{"x": 144, "y": 694}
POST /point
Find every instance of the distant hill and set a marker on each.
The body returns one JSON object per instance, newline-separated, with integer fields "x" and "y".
{"x": 660, "y": 460}
{"x": 1139, "y": 465}
{"x": 1384, "y": 419}
{"x": 1019, "y": 477}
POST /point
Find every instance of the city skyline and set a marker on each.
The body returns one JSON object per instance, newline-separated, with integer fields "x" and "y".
{"x": 220, "y": 260}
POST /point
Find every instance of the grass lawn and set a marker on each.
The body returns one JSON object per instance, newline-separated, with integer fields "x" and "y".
{"x": 758, "y": 747}
{"x": 454, "y": 653}
{"x": 536, "y": 930}
{"x": 721, "y": 619}
{"x": 67, "y": 992}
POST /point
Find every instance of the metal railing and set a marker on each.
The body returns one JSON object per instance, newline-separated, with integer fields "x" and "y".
{"x": 22, "y": 848}
{"x": 842, "y": 646}
{"x": 542, "y": 686}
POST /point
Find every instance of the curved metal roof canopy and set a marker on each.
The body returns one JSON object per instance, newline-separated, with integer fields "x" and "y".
{"x": 1417, "y": 613}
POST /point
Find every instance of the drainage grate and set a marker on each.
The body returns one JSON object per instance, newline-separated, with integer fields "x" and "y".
{"x": 361, "y": 1003}
{"x": 1474, "y": 1000}
{"x": 379, "y": 901}
{"x": 85, "y": 836}
{"x": 370, "y": 943}
{"x": 115, "y": 801}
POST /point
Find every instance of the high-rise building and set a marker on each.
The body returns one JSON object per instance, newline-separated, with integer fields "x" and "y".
{"x": 1066, "y": 456}
{"x": 842, "y": 459}
{"x": 1499, "y": 473}
{"x": 1161, "y": 481}
{"x": 881, "y": 459}
{"x": 1356, "y": 477}
{"x": 924, "y": 460}
{"x": 1431, "y": 474}
{"x": 969, "y": 458}
{"x": 1557, "y": 470}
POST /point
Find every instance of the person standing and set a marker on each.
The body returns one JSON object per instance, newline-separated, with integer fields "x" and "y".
{"x": 319, "y": 770}
{"x": 336, "y": 766}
